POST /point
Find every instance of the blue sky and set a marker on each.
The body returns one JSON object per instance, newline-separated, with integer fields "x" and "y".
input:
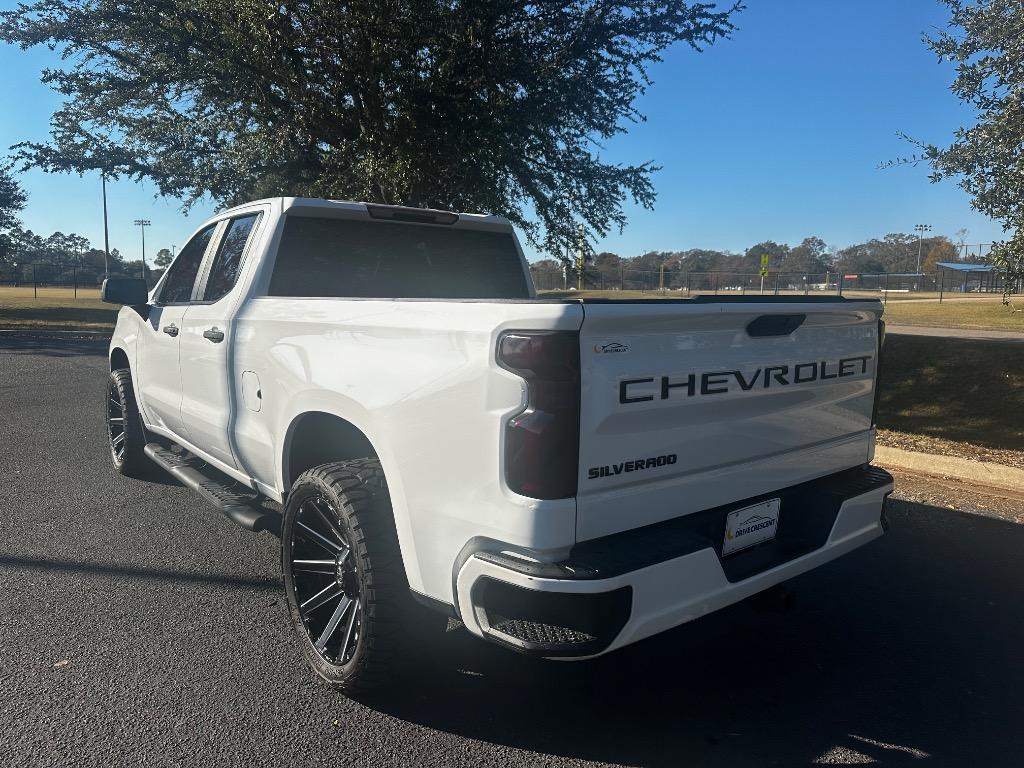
{"x": 775, "y": 134}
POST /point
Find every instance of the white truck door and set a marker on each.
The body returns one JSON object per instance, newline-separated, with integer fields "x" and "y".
{"x": 209, "y": 383}
{"x": 158, "y": 374}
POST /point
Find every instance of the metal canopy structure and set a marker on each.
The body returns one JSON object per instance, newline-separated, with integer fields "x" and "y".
{"x": 958, "y": 266}
{"x": 985, "y": 275}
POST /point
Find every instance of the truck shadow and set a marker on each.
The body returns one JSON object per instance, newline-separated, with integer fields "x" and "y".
{"x": 906, "y": 650}
{"x": 121, "y": 571}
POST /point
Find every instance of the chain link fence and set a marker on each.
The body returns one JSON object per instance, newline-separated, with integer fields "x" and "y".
{"x": 776, "y": 283}
{"x": 72, "y": 278}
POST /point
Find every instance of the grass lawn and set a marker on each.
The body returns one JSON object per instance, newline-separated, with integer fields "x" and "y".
{"x": 594, "y": 293}
{"x": 55, "y": 309}
{"x": 981, "y": 311}
{"x": 922, "y": 295}
{"x": 957, "y": 314}
{"x": 957, "y": 389}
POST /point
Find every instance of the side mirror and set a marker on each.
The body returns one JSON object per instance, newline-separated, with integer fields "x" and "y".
{"x": 130, "y": 291}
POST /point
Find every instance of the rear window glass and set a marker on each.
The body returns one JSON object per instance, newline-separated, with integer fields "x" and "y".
{"x": 374, "y": 259}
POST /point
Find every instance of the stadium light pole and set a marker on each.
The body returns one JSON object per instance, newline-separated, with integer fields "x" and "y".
{"x": 921, "y": 229}
{"x": 106, "y": 231}
{"x": 142, "y": 224}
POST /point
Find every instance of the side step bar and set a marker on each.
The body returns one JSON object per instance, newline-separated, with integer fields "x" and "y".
{"x": 235, "y": 504}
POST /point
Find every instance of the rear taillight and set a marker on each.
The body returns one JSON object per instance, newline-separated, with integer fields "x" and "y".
{"x": 878, "y": 370}
{"x": 542, "y": 443}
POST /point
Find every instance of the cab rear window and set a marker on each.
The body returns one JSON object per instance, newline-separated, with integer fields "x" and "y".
{"x": 322, "y": 257}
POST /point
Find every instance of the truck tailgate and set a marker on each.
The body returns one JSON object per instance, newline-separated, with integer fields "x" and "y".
{"x": 692, "y": 405}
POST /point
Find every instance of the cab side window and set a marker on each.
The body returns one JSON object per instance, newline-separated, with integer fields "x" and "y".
{"x": 228, "y": 261}
{"x": 181, "y": 276}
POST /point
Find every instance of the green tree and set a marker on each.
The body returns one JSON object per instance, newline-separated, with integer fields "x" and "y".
{"x": 648, "y": 263}
{"x": 496, "y": 106}
{"x": 606, "y": 270}
{"x": 700, "y": 260}
{"x": 776, "y": 255}
{"x": 862, "y": 258}
{"x": 936, "y": 249}
{"x": 12, "y": 200}
{"x": 163, "y": 258}
{"x": 984, "y": 41}
{"x": 896, "y": 252}
{"x": 808, "y": 258}
{"x": 548, "y": 275}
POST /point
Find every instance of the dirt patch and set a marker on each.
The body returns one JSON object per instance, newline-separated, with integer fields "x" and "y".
{"x": 954, "y": 494}
{"x": 941, "y": 447}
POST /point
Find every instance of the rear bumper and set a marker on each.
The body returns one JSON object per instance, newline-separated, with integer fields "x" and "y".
{"x": 622, "y": 588}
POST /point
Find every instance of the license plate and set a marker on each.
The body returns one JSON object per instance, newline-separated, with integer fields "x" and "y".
{"x": 751, "y": 525}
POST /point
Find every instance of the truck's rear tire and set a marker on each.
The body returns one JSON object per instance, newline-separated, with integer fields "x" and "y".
{"x": 126, "y": 437}
{"x": 347, "y": 592}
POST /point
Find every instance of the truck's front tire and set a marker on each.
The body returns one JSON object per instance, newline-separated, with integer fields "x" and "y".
{"x": 126, "y": 437}
{"x": 347, "y": 593}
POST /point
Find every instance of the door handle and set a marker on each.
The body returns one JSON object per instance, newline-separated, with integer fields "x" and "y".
{"x": 214, "y": 335}
{"x": 171, "y": 330}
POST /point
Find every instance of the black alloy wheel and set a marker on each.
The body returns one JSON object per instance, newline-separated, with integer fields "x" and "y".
{"x": 115, "y": 423}
{"x": 345, "y": 583}
{"x": 326, "y": 583}
{"x": 126, "y": 437}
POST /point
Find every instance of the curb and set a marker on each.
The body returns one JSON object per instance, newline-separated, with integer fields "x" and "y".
{"x": 973, "y": 334}
{"x": 35, "y": 334}
{"x": 983, "y": 472}
{"x": 43, "y": 333}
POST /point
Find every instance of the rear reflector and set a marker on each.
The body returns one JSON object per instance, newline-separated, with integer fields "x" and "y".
{"x": 542, "y": 443}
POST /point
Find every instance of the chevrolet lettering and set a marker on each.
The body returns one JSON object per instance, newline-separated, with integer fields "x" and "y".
{"x": 644, "y": 390}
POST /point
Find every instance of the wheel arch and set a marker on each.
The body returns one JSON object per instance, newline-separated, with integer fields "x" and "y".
{"x": 119, "y": 359}
{"x": 318, "y": 434}
{"x": 318, "y": 437}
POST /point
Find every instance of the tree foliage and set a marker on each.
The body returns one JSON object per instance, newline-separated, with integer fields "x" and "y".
{"x": 812, "y": 258}
{"x": 985, "y": 40}
{"x": 497, "y": 106}
{"x": 60, "y": 258}
{"x": 12, "y": 200}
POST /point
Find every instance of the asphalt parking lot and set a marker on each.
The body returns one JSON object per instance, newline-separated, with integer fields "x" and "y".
{"x": 137, "y": 626}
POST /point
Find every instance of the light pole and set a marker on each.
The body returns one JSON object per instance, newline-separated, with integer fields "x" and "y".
{"x": 78, "y": 265}
{"x": 106, "y": 232}
{"x": 143, "y": 223}
{"x": 921, "y": 229}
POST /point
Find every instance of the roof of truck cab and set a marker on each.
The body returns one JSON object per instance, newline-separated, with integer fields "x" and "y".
{"x": 362, "y": 208}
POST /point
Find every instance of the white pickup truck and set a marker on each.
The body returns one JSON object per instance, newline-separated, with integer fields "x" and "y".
{"x": 564, "y": 476}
